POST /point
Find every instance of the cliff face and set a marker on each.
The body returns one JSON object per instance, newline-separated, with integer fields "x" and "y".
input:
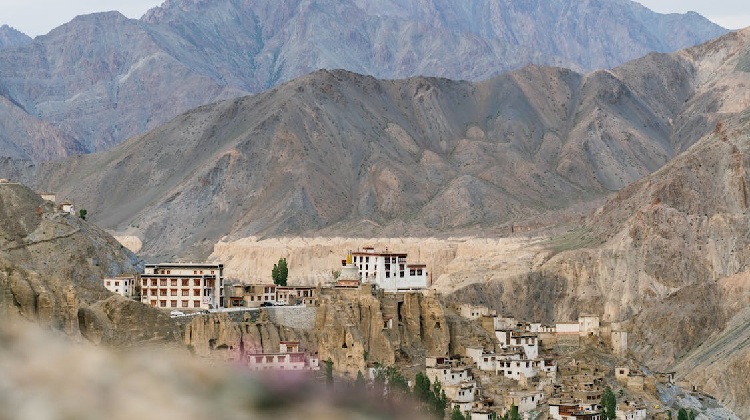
{"x": 51, "y": 270}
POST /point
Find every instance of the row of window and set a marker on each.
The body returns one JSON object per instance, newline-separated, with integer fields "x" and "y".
{"x": 117, "y": 283}
{"x": 173, "y": 303}
{"x": 173, "y": 282}
{"x": 173, "y": 292}
{"x": 195, "y": 272}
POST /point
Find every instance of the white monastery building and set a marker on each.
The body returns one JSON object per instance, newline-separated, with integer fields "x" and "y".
{"x": 183, "y": 285}
{"x": 389, "y": 270}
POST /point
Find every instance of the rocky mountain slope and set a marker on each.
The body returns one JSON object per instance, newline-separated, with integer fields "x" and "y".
{"x": 51, "y": 270}
{"x": 669, "y": 254}
{"x": 102, "y": 78}
{"x": 10, "y": 37}
{"x": 336, "y": 153}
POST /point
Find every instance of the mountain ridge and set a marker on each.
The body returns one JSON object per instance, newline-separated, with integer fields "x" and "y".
{"x": 102, "y": 78}
{"x": 334, "y": 148}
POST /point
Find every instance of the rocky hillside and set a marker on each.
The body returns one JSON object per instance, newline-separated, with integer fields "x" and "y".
{"x": 10, "y": 37}
{"x": 51, "y": 270}
{"x": 336, "y": 153}
{"x": 102, "y": 78}
{"x": 669, "y": 254}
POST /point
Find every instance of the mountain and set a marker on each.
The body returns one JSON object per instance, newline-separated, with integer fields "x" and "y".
{"x": 337, "y": 153}
{"x": 668, "y": 256}
{"x": 10, "y": 37}
{"x": 51, "y": 269}
{"x": 102, "y": 78}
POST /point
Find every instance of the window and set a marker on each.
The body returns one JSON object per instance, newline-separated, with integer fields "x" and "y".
{"x": 117, "y": 283}
{"x": 412, "y": 272}
{"x": 195, "y": 271}
{"x": 163, "y": 292}
{"x": 185, "y": 292}
{"x": 145, "y": 292}
{"x": 184, "y": 304}
{"x": 173, "y": 292}
{"x": 153, "y": 282}
{"x": 169, "y": 271}
{"x": 196, "y": 292}
{"x": 173, "y": 303}
{"x": 163, "y": 282}
{"x": 145, "y": 282}
{"x": 196, "y": 304}
{"x": 185, "y": 282}
{"x": 163, "y": 303}
{"x": 212, "y": 271}
{"x": 108, "y": 283}
{"x": 201, "y": 271}
{"x": 173, "y": 282}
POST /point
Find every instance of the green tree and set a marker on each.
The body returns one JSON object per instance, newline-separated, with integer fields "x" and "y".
{"x": 691, "y": 415}
{"x": 82, "y": 213}
{"x": 682, "y": 414}
{"x": 280, "y": 272}
{"x": 422, "y": 387}
{"x": 513, "y": 414}
{"x": 329, "y": 372}
{"x": 456, "y": 414}
{"x": 438, "y": 400}
{"x": 669, "y": 414}
{"x": 609, "y": 405}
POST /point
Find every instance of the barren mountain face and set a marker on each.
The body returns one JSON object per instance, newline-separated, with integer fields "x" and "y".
{"x": 668, "y": 254}
{"x": 102, "y": 78}
{"x": 336, "y": 153}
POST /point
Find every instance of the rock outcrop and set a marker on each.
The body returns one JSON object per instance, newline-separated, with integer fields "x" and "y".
{"x": 51, "y": 269}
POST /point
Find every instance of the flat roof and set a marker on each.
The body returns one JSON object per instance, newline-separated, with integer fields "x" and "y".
{"x": 183, "y": 265}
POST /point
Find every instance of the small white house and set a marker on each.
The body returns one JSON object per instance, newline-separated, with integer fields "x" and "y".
{"x": 123, "y": 286}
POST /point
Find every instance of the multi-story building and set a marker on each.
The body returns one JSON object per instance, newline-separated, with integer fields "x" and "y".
{"x": 389, "y": 270}
{"x": 183, "y": 285}
{"x": 289, "y": 357}
{"x": 122, "y": 285}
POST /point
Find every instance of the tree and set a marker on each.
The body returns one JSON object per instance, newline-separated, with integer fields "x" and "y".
{"x": 513, "y": 414}
{"x": 609, "y": 405}
{"x": 456, "y": 414}
{"x": 682, "y": 414}
{"x": 669, "y": 414}
{"x": 691, "y": 415}
{"x": 280, "y": 272}
{"x": 82, "y": 213}
{"x": 438, "y": 400}
{"x": 329, "y": 372}
{"x": 422, "y": 387}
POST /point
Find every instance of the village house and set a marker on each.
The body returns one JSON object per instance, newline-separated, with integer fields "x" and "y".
{"x": 524, "y": 400}
{"x": 628, "y": 410}
{"x": 48, "y": 196}
{"x": 389, "y": 270}
{"x": 257, "y": 295}
{"x": 473, "y": 312}
{"x": 122, "y": 285}
{"x": 183, "y": 285}
{"x": 289, "y": 358}
{"x": 588, "y": 325}
{"x": 67, "y": 207}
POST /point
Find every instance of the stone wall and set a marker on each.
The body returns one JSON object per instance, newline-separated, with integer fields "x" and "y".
{"x": 297, "y": 317}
